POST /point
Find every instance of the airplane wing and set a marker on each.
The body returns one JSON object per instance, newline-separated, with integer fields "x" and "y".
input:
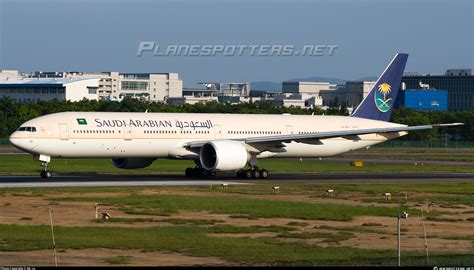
{"x": 324, "y": 135}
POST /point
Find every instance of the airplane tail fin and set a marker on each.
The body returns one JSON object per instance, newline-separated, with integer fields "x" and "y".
{"x": 379, "y": 103}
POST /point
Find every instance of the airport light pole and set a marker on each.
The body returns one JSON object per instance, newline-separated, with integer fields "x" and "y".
{"x": 404, "y": 216}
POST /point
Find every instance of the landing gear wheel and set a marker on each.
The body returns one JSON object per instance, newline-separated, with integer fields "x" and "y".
{"x": 247, "y": 174}
{"x": 256, "y": 173}
{"x": 189, "y": 172}
{"x": 264, "y": 174}
{"x": 46, "y": 174}
{"x": 199, "y": 172}
{"x": 240, "y": 173}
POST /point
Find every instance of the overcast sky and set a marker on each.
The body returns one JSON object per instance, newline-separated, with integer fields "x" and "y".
{"x": 95, "y": 35}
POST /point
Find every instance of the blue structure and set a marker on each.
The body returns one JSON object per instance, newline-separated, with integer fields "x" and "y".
{"x": 420, "y": 99}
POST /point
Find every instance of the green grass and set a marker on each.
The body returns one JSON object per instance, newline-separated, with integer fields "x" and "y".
{"x": 189, "y": 240}
{"x": 443, "y": 219}
{"x": 249, "y": 229}
{"x": 372, "y": 225}
{"x": 316, "y": 166}
{"x": 466, "y": 158}
{"x": 256, "y": 208}
{"x": 124, "y": 220}
{"x": 352, "y": 229}
{"x": 26, "y": 218}
{"x": 193, "y": 236}
{"x": 443, "y": 200}
{"x": 374, "y": 190}
{"x": 189, "y": 221}
{"x": 451, "y": 206}
{"x": 445, "y": 194}
{"x": 298, "y": 224}
{"x": 24, "y": 164}
{"x": 194, "y": 241}
{"x": 452, "y": 237}
{"x": 328, "y": 237}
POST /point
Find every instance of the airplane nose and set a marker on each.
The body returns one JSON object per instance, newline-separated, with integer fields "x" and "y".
{"x": 15, "y": 140}
{"x": 20, "y": 142}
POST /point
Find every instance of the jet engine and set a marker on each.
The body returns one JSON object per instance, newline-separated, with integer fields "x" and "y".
{"x": 132, "y": 163}
{"x": 223, "y": 156}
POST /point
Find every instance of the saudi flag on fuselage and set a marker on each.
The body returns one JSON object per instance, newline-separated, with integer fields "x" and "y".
{"x": 81, "y": 121}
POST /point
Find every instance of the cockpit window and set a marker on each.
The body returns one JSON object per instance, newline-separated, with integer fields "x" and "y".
{"x": 29, "y": 129}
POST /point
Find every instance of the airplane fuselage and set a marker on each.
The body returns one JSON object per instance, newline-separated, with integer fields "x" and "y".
{"x": 162, "y": 135}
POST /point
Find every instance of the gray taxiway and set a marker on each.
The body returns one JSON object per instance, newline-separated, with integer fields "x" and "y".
{"x": 127, "y": 180}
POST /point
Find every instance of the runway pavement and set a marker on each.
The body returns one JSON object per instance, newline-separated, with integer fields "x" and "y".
{"x": 103, "y": 181}
{"x": 127, "y": 180}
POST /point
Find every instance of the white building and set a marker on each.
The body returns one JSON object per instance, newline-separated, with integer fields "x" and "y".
{"x": 313, "y": 88}
{"x": 227, "y": 92}
{"x": 115, "y": 86}
{"x": 9, "y": 74}
{"x": 354, "y": 92}
{"x": 195, "y": 95}
{"x": 32, "y": 90}
{"x": 304, "y": 94}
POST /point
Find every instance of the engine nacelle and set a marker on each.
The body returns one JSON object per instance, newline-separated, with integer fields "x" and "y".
{"x": 223, "y": 156}
{"x": 132, "y": 163}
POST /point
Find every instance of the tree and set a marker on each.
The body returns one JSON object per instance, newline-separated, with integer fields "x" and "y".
{"x": 13, "y": 114}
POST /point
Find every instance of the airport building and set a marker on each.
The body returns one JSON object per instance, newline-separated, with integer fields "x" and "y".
{"x": 353, "y": 92}
{"x": 230, "y": 92}
{"x": 10, "y": 74}
{"x": 423, "y": 100}
{"x": 157, "y": 87}
{"x": 304, "y": 94}
{"x": 323, "y": 94}
{"x": 196, "y": 95}
{"x": 37, "y": 89}
{"x": 223, "y": 92}
{"x": 458, "y": 82}
{"x": 313, "y": 88}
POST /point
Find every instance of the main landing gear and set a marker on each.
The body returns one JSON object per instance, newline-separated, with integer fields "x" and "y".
{"x": 45, "y": 173}
{"x": 254, "y": 173}
{"x": 199, "y": 172}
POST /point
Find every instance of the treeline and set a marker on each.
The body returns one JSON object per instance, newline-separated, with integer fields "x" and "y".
{"x": 13, "y": 114}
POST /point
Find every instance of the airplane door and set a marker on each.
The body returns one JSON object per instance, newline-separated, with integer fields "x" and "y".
{"x": 127, "y": 132}
{"x": 63, "y": 132}
{"x": 289, "y": 130}
{"x": 217, "y": 132}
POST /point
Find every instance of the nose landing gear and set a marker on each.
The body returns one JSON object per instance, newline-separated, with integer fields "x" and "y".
{"x": 45, "y": 173}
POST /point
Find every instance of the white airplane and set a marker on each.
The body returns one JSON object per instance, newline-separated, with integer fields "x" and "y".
{"x": 216, "y": 142}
